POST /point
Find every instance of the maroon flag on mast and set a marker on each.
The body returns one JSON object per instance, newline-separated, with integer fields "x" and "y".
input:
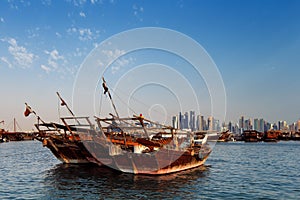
{"x": 105, "y": 87}
{"x": 28, "y": 110}
{"x": 63, "y": 103}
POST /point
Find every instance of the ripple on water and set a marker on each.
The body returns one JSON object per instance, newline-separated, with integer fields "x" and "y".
{"x": 234, "y": 170}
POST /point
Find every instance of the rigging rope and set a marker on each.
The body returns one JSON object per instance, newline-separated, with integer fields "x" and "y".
{"x": 138, "y": 101}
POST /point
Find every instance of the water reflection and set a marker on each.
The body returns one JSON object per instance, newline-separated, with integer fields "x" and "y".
{"x": 77, "y": 181}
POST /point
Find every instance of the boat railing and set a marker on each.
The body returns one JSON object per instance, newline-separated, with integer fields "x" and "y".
{"x": 81, "y": 124}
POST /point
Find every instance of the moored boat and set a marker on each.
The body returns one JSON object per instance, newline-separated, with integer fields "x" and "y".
{"x": 62, "y": 139}
{"x": 129, "y": 145}
{"x": 125, "y": 146}
{"x": 271, "y": 136}
{"x": 252, "y": 136}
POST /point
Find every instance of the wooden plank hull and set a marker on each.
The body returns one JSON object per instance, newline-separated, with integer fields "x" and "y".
{"x": 162, "y": 161}
{"x": 68, "y": 152}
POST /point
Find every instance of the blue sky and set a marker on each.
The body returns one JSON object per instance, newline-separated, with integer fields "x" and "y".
{"x": 255, "y": 45}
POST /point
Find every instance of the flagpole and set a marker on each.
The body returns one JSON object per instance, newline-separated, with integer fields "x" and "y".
{"x": 63, "y": 103}
{"x": 107, "y": 91}
{"x": 32, "y": 111}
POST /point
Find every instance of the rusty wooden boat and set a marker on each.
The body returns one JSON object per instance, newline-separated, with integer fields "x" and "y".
{"x": 140, "y": 146}
{"x": 63, "y": 140}
{"x": 128, "y": 145}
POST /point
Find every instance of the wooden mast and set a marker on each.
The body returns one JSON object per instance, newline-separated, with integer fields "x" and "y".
{"x": 15, "y": 126}
{"x": 63, "y": 103}
{"x": 111, "y": 100}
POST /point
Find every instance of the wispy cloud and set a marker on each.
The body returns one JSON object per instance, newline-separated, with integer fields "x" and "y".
{"x": 77, "y": 2}
{"x": 137, "y": 11}
{"x": 113, "y": 54}
{"x": 58, "y": 35}
{"x": 18, "y": 4}
{"x": 46, "y": 69}
{"x": 20, "y": 54}
{"x": 33, "y": 33}
{"x": 2, "y": 19}
{"x": 120, "y": 61}
{"x": 5, "y": 60}
{"x": 84, "y": 34}
{"x": 46, "y": 2}
{"x": 54, "y": 58}
{"x": 82, "y": 14}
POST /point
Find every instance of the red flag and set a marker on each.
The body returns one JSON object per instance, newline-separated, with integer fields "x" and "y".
{"x": 28, "y": 110}
{"x": 63, "y": 103}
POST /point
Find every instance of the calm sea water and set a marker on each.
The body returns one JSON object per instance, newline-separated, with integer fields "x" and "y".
{"x": 233, "y": 171}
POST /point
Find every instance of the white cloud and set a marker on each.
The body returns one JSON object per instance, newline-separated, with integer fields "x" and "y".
{"x": 96, "y": 1}
{"x": 5, "y": 60}
{"x": 82, "y": 14}
{"x": 137, "y": 11}
{"x": 113, "y": 54}
{"x": 79, "y": 53}
{"x": 2, "y": 19}
{"x": 46, "y": 2}
{"x": 45, "y": 68}
{"x": 77, "y": 2}
{"x": 20, "y": 53}
{"x": 58, "y": 35}
{"x": 54, "y": 58}
{"x": 33, "y": 33}
{"x": 84, "y": 34}
{"x": 120, "y": 61}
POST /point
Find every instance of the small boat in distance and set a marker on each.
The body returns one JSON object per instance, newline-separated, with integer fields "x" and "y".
{"x": 14, "y": 134}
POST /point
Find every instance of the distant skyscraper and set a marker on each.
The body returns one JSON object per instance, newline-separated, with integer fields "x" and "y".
{"x": 255, "y": 124}
{"x": 247, "y": 124}
{"x": 241, "y": 124}
{"x": 186, "y": 120}
{"x": 199, "y": 123}
{"x": 210, "y": 123}
{"x": 298, "y": 126}
{"x": 261, "y": 125}
{"x": 180, "y": 121}
{"x": 230, "y": 127}
{"x": 216, "y": 126}
{"x": 192, "y": 121}
{"x": 203, "y": 127}
{"x": 267, "y": 126}
{"x": 280, "y": 125}
{"x": 275, "y": 127}
{"x": 175, "y": 122}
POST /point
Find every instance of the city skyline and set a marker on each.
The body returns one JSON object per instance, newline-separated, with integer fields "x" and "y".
{"x": 254, "y": 45}
{"x": 197, "y": 122}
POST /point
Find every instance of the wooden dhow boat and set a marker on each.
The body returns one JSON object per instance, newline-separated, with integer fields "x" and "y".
{"x": 62, "y": 138}
{"x": 127, "y": 145}
{"x": 139, "y": 146}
